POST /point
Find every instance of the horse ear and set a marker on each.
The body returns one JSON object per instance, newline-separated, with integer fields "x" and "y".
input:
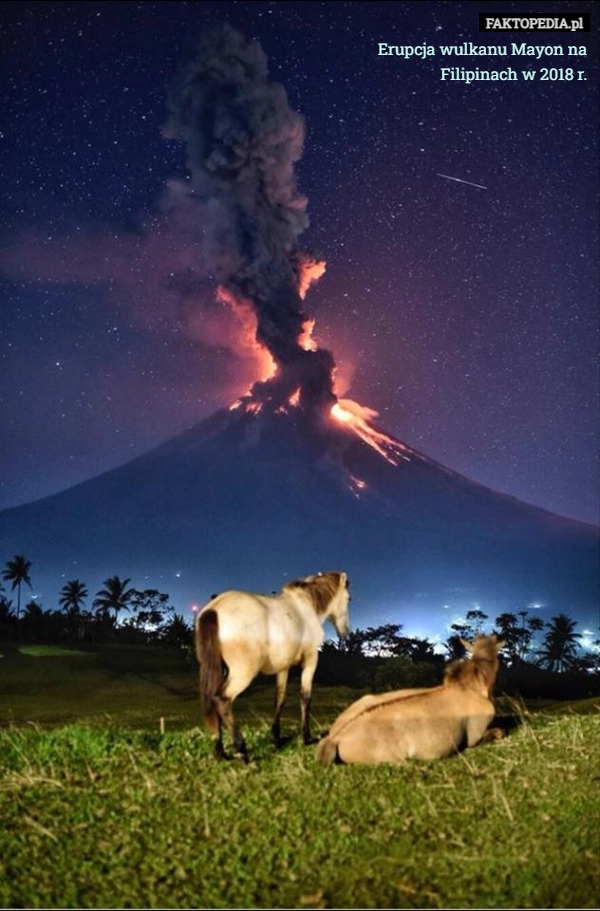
{"x": 344, "y": 580}
{"x": 467, "y": 645}
{"x": 500, "y": 643}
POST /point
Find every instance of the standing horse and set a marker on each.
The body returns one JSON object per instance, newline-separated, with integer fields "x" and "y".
{"x": 240, "y": 635}
{"x": 420, "y": 724}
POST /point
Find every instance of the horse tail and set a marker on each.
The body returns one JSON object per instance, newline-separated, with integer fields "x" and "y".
{"x": 208, "y": 652}
{"x": 327, "y": 751}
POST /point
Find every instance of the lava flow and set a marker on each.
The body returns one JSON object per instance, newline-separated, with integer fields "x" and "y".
{"x": 355, "y": 417}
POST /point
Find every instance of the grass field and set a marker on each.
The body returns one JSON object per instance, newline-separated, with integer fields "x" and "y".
{"x": 99, "y": 809}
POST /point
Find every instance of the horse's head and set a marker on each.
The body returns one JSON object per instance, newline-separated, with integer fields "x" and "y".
{"x": 484, "y": 647}
{"x": 330, "y": 595}
{"x": 337, "y": 609}
{"x": 481, "y": 669}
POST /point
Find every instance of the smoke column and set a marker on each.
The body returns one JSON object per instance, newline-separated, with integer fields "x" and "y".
{"x": 242, "y": 140}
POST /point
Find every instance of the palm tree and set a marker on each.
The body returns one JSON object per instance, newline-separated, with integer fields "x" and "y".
{"x": 6, "y": 611}
{"x": 114, "y": 596}
{"x": 72, "y": 596}
{"x": 536, "y": 625}
{"x": 507, "y": 629}
{"x": 560, "y": 643}
{"x": 17, "y": 572}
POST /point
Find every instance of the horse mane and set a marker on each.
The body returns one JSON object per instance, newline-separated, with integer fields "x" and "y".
{"x": 480, "y": 669}
{"x": 320, "y": 589}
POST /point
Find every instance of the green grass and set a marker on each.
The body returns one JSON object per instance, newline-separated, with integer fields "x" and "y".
{"x": 107, "y": 812}
{"x": 48, "y": 651}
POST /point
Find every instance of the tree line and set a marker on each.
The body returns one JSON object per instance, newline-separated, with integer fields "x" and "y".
{"x": 554, "y": 644}
{"x": 150, "y": 615}
{"x": 528, "y": 640}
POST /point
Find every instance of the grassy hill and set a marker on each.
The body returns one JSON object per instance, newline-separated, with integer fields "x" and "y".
{"x": 99, "y": 809}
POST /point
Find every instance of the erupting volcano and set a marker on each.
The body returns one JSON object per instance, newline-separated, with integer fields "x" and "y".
{"x": 288, "y": 479}
{"x": 242, "y": 141}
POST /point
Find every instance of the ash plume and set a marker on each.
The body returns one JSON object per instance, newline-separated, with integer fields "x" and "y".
{"x": 242, "y": 141}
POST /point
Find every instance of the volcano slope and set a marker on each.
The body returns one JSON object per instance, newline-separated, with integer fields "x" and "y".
{"x": 251, "y": 498}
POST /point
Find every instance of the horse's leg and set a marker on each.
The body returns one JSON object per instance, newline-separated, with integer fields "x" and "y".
{"x": 218, "y": 751}
{"x": 223, "y": 705}
{"x": 215, "y": 727}
{"x": 280, "y": 690}
{"x": 308, "y": 672}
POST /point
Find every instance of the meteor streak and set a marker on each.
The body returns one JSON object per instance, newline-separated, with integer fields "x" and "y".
{"x": 459, "y": 180}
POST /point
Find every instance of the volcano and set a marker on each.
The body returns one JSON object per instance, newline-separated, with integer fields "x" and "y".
{"x": 254, "y": 497}
{"x": 290, "y": 479}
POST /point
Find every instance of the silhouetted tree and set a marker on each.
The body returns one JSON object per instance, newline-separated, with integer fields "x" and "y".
{"x": 518, "y": 637}
{"x": 475, "y": 623}
{"x": 17, "y": 572}
{"x": 560, "y": 645}
{"x": 38, "y": 623}
{"x": 535, "y": 625}
{"x": 7, "y": 614}
{"x": 469, "y": 628}
{"x": 422, "y": 650}
{"x": 72, "y": 596}
{"x": 114, "y": 596}
{"x": 453, "y": 643}
{"x": 353, "y": 643}
{"x": 403, "y": 647}
{"x": 149, "y": 607}
{"x": 330, "y": 646}
{"x": 400, "y": 672}
{"x": 466, "y": 629}
{"x": 177, "y": 632}
{"x": 382, "y": 639}
{"x": 507, "y": 628}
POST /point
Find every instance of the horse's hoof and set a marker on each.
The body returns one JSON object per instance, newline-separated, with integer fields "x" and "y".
{"x": 241, "y": 757}
{"x": 282, "y": 742}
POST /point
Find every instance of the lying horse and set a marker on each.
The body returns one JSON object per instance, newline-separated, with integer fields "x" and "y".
{"x": 240, "y": 635}
{"x": 420, "y": 723}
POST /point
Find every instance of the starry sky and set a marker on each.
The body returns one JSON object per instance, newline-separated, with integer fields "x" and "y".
{"x": 467, "y": 317}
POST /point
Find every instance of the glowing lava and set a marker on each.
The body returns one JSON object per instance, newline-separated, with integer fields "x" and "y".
{"x": 357, "y": 485}
{"x": 356, "y": 417}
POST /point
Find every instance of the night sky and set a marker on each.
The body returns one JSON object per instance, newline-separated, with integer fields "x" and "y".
{"x": 467, "y": 317}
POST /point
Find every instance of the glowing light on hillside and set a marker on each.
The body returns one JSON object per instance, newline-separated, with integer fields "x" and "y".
{"x": 357, "y": 418}
{"x": 357, "y": 485}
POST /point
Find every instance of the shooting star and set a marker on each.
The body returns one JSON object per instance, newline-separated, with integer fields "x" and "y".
{"x": 459, "y": 180}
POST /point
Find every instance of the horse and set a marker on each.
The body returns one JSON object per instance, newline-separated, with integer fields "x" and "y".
{"x": 239, "y": 635}
{"x": 420, "y": 723}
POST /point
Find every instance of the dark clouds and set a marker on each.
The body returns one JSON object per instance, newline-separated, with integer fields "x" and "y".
{"x": 242, "y": 141}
